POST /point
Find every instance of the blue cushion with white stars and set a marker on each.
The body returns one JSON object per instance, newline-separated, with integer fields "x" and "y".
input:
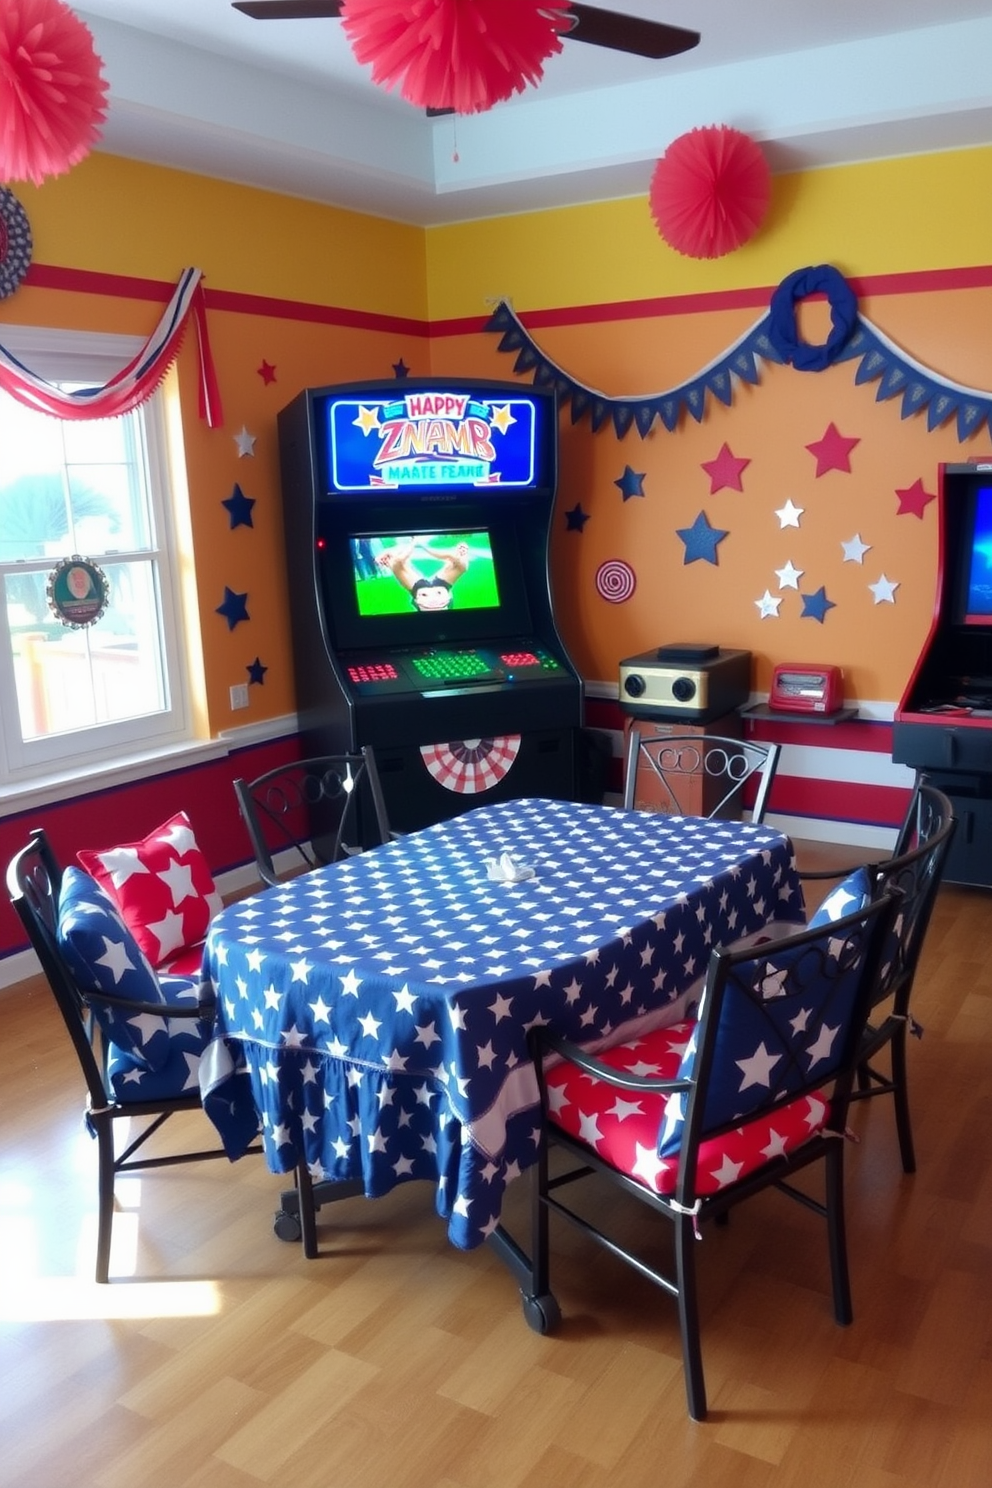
{"x": 104, "y": 957}
{"x": 779, "y": 1024}
{"x": 178, "y": 1074}
{"x": 847, "y": 898}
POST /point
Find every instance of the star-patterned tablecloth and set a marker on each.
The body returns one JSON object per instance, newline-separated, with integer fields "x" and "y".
{"x": 383, "y": 1004}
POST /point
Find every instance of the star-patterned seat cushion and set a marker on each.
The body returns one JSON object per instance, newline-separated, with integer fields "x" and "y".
{"x": 622, "y": 1126}
{"x": 846, "y": 898}
{"x": 163, "y": 888}
{"x": 104, "y": 957}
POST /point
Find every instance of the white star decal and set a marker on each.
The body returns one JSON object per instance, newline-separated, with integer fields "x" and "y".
{"x": 884, "y": 590}
{"x": 855, "y": 549}
{"x": 768, "y": 606}
{"x": 789, "y": 514}
{"x": 789, "y": 576}
{"x": 245, "y": 442}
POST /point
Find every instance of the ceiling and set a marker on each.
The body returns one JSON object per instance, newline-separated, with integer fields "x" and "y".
{"x": 284, "y": 105}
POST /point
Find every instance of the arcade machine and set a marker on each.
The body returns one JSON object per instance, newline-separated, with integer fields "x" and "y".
{"x": 943, "y": 725}
{"x": 417, "y": 518}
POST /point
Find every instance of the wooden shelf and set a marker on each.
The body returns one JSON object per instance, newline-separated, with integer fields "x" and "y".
{"x": 773, "y": 715}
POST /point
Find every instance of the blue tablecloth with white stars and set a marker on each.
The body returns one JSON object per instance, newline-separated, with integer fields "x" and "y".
{"x": 382, "y": 1005}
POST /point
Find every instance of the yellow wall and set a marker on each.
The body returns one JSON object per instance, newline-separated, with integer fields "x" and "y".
{"x": 893, "y": 216}
{"x": 121, "y": 218}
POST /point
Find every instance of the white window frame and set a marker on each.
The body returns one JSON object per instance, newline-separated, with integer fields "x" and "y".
{"x": 92, "y": 357}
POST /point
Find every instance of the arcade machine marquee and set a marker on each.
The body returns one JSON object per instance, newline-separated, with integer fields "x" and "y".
{"x": 417, "y": 519}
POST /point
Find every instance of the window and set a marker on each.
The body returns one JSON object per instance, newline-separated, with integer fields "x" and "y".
{"x": 97, "y": 488}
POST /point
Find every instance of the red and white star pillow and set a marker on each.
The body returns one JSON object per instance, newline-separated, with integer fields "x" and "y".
{"x": 164, "y": 890}
{"x": 622, "y": 1126}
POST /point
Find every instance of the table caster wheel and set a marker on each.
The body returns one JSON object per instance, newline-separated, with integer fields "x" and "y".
{"x": 542, "y": 1314}
{"x": 287, "y": 1226}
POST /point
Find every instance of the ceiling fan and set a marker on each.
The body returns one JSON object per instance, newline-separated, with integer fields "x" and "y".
{"x": 589, "y": 23}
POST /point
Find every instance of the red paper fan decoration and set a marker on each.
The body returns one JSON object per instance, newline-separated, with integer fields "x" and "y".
{"x": 52, "y": 96}
{"x": 446, "y": 54}
{"x": 710, "y": 191}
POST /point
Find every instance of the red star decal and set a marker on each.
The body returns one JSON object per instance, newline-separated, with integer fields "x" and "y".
{"x": 833, "y": 451}
{"x": 267, "y": 372}
{"x": 725, "y": 471}
{"x": 913, "y": 500}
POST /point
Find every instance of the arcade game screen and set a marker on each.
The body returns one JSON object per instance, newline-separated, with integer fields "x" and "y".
{"x": 978, "y": 556}
{"x": 429, "y": 572}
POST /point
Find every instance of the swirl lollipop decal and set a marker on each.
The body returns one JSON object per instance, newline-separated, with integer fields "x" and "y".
{"x": 615, "y": 581}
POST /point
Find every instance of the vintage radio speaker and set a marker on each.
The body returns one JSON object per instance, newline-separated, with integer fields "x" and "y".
{"x": 685, "y": 682}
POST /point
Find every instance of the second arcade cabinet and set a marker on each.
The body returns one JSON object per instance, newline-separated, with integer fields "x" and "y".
{"x": 417, "y": 517}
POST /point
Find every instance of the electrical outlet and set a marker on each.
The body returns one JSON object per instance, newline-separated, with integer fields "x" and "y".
{"x": 239, "y": 695}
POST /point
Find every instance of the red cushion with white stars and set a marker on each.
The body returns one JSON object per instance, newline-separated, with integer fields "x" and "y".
{"x": 162, "y": 886}
{"x": 622, "y": 1126}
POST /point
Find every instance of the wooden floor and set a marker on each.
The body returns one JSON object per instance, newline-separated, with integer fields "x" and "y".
{"x": 221, "y": 1357}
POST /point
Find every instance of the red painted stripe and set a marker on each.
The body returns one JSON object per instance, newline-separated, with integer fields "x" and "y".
{"x": 336, "y": 315}
{"x": 839, "y": 800}
{"x": 125, "y": 287}
{"x": 88, "y": 281}
{"x": 922, "y": 281}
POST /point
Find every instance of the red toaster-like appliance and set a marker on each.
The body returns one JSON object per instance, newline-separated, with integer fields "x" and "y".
{"x": 806, "y": 689}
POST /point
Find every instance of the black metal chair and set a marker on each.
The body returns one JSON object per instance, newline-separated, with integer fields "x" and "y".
{"x": 115, "y": 1074}
{"x": 313, "y": 811}
{"x": 916, "y": 872}
{"x": 679, "y": 761}
{"x": 915, "y": 869}
{"x": 741, "y": 1101}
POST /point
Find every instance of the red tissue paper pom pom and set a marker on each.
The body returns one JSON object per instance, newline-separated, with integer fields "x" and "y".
{"x": 52, "y": 96}
{"x": 710, "y": 191}
{"x": 464, "y": 55}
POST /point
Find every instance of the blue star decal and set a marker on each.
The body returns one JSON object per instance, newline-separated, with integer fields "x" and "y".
{"x": 239, "y": 505}
{"x": 234, "y": 608}
{"x": 576, "y": 519}
{"x": 400, "y": 370}
{"x": 700, "y": 540}
{"x": 630, "y": 483}
{"x": 815, "y": 606}
{"x": 256, "y": 673}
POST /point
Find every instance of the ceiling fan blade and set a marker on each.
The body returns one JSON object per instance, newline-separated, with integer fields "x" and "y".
{"x": 623, "y": 33}
{"x": 289, "y": 10}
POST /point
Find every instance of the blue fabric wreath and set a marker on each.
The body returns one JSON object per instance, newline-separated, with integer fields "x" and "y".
{"x": 782, "y": 332}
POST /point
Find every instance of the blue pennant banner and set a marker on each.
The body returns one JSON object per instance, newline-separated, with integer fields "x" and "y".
{"x": 879, "y": 360}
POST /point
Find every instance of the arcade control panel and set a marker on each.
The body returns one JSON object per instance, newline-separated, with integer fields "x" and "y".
{"x": 450, "y": 671}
